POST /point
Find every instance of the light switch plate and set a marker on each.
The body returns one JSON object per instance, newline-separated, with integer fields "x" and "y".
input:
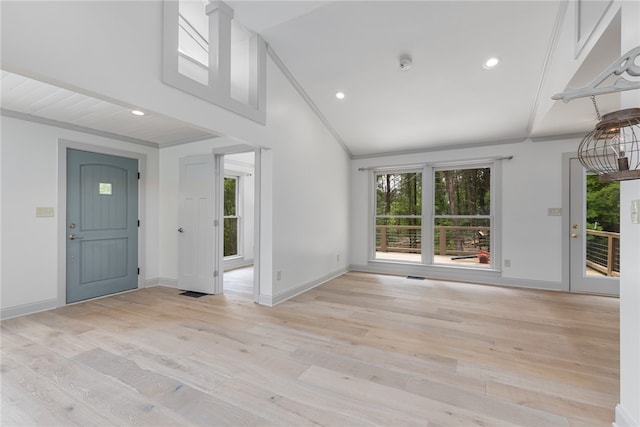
{"x": 555, "y": 212}
{"x": 635, "y": 211}
{"x": 42, "y": 212}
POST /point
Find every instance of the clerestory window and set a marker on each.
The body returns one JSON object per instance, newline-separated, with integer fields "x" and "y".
{"x": 210, "y": 54}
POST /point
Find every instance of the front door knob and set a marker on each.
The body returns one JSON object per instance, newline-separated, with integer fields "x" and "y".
{"x": 575, "y": 235}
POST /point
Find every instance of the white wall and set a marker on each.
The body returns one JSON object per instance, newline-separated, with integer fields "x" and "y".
{"x": 77, "y": 46}
{"x": 108, "y": 49}
{"x": 566, "y": 57}
{"x": 310, "y": 194}
{"x": 531, "y": 183}
{"x": 628, "y": 412}
{"x": 629, "y": 309}
{"x": 29, "y": 180}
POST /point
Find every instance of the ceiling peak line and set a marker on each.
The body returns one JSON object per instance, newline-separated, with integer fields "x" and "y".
{"x": 553, "y": 43}
{"x": 290, "y": 77}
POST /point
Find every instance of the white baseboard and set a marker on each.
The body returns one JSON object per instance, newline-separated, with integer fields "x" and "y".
{"x": 297, "y": 290}
{"x": 623, "y": 419}
{"x": 161, "y": 281}
{"x": 21, "y": 310}
{"x": 455, "y": 274}
{"x": 266, "y": 300}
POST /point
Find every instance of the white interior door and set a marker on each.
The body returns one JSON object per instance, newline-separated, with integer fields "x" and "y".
{"x": 197, "y": 230}
{"x": 594, "y": 240}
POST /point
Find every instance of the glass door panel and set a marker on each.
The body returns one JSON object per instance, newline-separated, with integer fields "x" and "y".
{"x": 594, "y": 233}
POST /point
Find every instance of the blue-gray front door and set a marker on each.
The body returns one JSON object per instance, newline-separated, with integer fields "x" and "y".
{"x": 102, "y": 224}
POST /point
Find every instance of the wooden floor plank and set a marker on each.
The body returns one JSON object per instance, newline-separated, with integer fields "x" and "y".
{"x": 362, "y": 349}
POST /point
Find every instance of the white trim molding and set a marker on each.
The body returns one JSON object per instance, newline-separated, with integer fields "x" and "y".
{"x": 161, "y": 281}
{"x": 21, "y": 310}
{"x": 623, "y": 419}
{"x": 289, "y": 293}
{"x": 454, "y": 274}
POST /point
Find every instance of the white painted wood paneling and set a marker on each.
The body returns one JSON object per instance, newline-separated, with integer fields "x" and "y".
{"x": 34, "y": 98}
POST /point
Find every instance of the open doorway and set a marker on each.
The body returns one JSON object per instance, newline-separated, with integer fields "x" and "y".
{"x": 202, "y": 243}
{"x": 238, "y": 220}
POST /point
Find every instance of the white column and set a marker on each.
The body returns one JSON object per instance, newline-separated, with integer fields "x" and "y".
{"x": 220, "y": 16}
{"x": 628, "y": 411}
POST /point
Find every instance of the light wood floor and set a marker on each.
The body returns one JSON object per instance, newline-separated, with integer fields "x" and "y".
{"x": 360, "y": 350}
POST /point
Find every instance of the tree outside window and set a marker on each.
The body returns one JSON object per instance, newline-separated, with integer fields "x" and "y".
{"x": 399, "y": 216}
{"x": 231, "y": 218}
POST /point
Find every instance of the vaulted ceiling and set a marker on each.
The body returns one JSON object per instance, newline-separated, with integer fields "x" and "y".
{"x": 446, "y": 99}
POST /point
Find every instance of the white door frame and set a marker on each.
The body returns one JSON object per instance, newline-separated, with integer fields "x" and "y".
{"x": 218, "y": 217}
{"x": 569, "y": 282}
{"x": 63, "y": 144}
{"x": 262, "y": 281}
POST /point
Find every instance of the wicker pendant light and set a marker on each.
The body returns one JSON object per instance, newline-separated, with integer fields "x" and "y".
{"x": 612, "y": 149}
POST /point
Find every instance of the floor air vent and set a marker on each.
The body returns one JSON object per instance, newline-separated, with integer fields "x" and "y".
{"x": 415, "y": 277}
{"x": 193, "y": 294}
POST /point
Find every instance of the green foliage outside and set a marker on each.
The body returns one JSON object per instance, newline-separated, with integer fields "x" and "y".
{"x": 399, "y": 196}
{"x": 463, "y": 192}
{"x": 460, "y": 192}
{"x": 603, "y": 205}
{"x": 230, "y": 224}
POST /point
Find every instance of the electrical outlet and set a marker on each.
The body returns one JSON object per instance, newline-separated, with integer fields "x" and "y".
{"x": 279, "y": 275}
{"x": 338, "y": 258}
{"x": 507, "y": 263}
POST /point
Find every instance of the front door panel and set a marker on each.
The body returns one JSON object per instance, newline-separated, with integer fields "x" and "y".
{"x": 102, "y": 224}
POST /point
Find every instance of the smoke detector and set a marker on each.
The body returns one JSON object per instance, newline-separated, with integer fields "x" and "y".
{"x": 405, "y": 62}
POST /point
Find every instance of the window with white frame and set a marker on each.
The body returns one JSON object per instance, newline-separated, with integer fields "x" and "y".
{"x": 462, "y": 216}
{"x": 208, "y": 53}
{"x": 232, "y": 231}
{"x": 456, "y": 227}
{"x": 398, "y": 227}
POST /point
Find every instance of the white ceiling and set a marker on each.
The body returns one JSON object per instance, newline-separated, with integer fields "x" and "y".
{"x": 34, "y": 100}
{"x": 446, "y": 99}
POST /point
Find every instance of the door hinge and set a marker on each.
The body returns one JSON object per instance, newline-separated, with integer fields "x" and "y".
{"x": 138, "y": 175}
{"x": 215, "y": 273}
{"x": 138, "y": 223}
{"x": 138, "y": 271}
{"x": 215, "y": 223}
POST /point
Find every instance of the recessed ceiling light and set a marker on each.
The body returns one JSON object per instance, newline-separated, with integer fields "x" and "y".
{"x": 491, "y": 63}
{"x": 340, "y": 95}
{"x": 137, "y": 112}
